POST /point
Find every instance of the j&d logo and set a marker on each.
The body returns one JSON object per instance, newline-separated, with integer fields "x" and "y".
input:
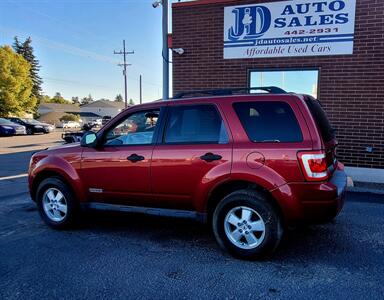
{"x": 250, "y": 23}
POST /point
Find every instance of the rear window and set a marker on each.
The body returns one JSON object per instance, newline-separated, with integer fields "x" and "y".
{"x": 269, "y": 121}
{"x": 321, "y": 119}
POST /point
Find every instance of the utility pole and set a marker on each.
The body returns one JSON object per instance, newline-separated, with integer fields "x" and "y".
{"x": 141, "y": 90}
{"x": 165, "y": 51}
{"x": 124, "y": 65}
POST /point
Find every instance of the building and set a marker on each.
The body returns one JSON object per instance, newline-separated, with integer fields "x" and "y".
{"x": 52, "y": 112}
{"x": 334, "y": 49}
{"x": 45, "y": 108}
{"x": 103, "y": 108}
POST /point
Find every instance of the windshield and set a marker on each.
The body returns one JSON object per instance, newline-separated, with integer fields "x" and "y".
{"x": 5, "y": 121}
{"x": 31, "y": 121}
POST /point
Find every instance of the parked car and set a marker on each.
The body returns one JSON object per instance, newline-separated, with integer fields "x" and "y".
{"x": 105, "y": 120}
{"x": 8, "y": 128}
{"x": 250, "y": 164}
{"x": 71, "y": 125}
{"x": 76, "y": 136}
{"x": 33, "y": 126}
{"x": 97, "y": 123}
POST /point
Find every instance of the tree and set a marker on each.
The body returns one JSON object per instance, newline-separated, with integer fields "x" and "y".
{"x": 70, "y": 117}
{"x": 119, "y": 98}
{"x": 15, "y": 84}
{"x": 131, "y": 102}
{"x": 59, "y": 99}
{"x": 45, "y": 99}
{"x": 26, "y": 50}
{"x": 75, "y": 100}
{"x": 87, "y": 100}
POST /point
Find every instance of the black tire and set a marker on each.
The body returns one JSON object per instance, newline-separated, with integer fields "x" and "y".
{"x": 256, "y": 201}
{"x": 29, "y": 131}
{"x": 71, "y": 216}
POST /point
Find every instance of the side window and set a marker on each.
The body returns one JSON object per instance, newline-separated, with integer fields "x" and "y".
{"x": 136, "y": 129}
{"x": 195, "y": 124}
{"x": 269, "y": 121}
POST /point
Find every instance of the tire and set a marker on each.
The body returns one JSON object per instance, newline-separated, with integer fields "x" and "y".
{"x": 235, "y": 236}
{"x": 58, "y": 214}
{"x": 29, "y": 131}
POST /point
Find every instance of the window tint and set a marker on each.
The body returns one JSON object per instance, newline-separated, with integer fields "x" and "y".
{"x": 195, "y": 124}
{"x": 137, "y": 129}
{"x": 269, "y": 121}
{"x": 321, "y": 119}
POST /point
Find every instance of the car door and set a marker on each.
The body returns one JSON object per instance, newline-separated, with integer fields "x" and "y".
{"x": 118, "y": 170}
{"x": 194, "y": 153}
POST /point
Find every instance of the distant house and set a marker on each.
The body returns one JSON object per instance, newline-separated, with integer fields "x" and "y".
{"x": 103, "y": 108}
{"x": 45, "y": 108}
{"x": 52, "y": 112}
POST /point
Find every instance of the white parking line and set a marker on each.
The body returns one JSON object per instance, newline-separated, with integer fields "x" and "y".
{"x": 14, "y": 176}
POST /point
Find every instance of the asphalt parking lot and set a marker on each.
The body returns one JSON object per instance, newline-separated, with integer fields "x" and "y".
{"x": 125, "y": 256}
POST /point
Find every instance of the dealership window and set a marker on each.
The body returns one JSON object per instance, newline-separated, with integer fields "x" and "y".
{"x": 298, "y": 81}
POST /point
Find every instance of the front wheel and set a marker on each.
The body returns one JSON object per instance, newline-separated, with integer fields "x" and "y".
{"x": 56, "y": 204}
{"x": 247, "y": 225}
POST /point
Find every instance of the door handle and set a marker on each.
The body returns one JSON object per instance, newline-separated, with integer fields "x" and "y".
{"x": 135, "y": 158}
{"x": 209, "y": 157}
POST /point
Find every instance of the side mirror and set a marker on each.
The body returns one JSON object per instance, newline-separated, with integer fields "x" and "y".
{"x": 89, "y": 139}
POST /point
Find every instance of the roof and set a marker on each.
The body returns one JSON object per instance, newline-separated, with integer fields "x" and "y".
{"x": 60, "y": 107}
{"x": 105, "y": 103}
{"x": 51, "y": 117}
{"x": 202, "y": 2}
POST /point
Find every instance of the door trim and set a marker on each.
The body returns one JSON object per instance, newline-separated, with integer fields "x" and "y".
{"x": 164, "y": 212}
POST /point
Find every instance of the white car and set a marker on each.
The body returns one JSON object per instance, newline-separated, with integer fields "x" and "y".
{"x": 71, "y": 124}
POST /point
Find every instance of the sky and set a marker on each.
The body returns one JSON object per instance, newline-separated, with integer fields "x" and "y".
{"x": 74, "y": 41}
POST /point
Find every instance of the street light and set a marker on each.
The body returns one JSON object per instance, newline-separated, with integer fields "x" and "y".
{"x": 165, "y": 54}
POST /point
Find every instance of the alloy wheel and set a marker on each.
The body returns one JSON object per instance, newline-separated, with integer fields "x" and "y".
{"x": 244, "y": 227}
{"x": 55, "y": 205}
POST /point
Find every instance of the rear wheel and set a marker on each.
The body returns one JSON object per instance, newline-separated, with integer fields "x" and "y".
{"x": 56, "y": 204}
{"x": 247, "y": 225}
{"x": 29, "y": 131}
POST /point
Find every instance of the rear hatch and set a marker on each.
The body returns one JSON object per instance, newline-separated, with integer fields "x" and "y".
{"x": 326, "y": 131}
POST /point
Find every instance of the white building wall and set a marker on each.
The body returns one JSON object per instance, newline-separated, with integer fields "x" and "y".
{"x": 101, "y": 111}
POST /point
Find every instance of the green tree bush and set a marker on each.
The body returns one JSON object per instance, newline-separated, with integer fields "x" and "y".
{"x": 119, "y": 98}
{"x": 15, "y": 84}
{"x": 70, "y": 117}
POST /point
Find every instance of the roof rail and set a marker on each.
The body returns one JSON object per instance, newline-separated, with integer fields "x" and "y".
{"x": 229, "y": 91}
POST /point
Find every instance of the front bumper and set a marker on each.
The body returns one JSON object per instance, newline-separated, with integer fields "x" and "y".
{"x": 313, "y": 202}
{"x": 38, "y": 129}
{"x": 20, "y": 132}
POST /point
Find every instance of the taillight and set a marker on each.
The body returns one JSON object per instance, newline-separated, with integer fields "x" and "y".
{"x": 314, "y": 165}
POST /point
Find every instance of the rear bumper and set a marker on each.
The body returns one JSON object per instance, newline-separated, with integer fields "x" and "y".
{"x": 313, "y": 202}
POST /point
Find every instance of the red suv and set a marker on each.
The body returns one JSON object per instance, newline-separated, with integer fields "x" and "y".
{"x": 248, "y": 164}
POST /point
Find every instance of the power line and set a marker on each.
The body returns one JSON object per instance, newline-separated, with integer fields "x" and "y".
{"x": 124, "y": 65}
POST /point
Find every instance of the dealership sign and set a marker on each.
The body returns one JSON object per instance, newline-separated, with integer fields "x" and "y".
{"x": 289, "y": 28}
